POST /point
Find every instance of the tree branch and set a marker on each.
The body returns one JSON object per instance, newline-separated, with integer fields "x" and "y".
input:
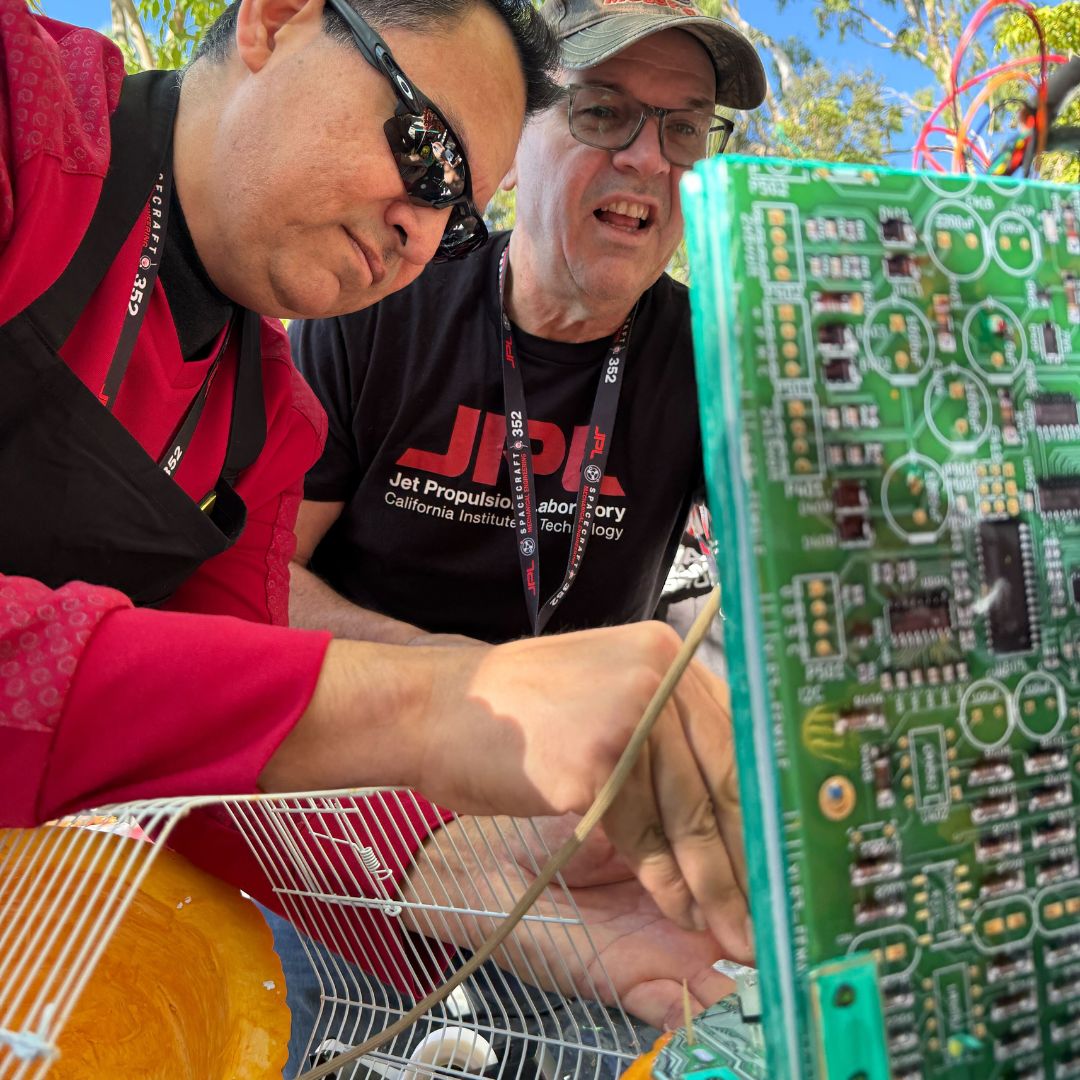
{"x": 135, "y": 33}
{"x": 119, "y": 32}
{"x": 880, "y": 27}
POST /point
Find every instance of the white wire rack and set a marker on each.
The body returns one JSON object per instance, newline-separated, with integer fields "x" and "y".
{"x": 385, "y": 908}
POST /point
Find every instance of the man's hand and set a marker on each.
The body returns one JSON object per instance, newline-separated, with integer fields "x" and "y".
{"x": 534, "y": 728}
{"x": 485, "y": 864}
{"x": 551, "y": 717}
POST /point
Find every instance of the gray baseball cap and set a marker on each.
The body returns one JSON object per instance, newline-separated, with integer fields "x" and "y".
{"x": 591, "y": 31}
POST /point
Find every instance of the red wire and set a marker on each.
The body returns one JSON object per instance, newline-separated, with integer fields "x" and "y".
{"x": 982, "y": 156}
{"x": 1011, "y": 65}
{"x": 968, "y": 35}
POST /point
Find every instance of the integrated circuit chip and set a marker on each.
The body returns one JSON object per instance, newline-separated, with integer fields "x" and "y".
{"x": 920, "y": 613}
{"x": 1009, "y": 622}
{"x": 1054, "y": 410}
{"x": 1059, "y": 495}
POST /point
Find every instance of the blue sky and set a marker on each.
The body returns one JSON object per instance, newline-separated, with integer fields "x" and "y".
{"x": 795, "y": 20}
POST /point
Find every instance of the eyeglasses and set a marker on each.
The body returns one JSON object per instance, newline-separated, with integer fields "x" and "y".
{"x": 611, "y": 120}
{"x": 425, "y": 148}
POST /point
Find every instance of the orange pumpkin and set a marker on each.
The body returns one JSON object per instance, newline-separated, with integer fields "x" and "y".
{"x": 188, "y": 988}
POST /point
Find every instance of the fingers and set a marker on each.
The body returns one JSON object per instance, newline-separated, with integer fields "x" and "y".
{"x": 677, "y": 822}
{"x": 636, "y": 827}
{"x": 659, "y": 1002}
{"x": 710, "y": 737}
{"x": 694, "y": 820}
{"x": 665, "y": 825}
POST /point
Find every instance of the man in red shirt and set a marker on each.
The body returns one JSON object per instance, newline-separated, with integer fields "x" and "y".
{"x": 154, "y": 436}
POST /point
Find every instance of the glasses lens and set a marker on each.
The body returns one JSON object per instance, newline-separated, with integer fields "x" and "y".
{"x": 436, "y": 175}
{"x": 430, "y": 166}
{"x": 602, "y": 117}
{"x": 464, "y": 233}
{"x": 685, "y": 135}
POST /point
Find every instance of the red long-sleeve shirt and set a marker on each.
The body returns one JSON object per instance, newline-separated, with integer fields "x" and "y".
{"x": 100, "y": 701}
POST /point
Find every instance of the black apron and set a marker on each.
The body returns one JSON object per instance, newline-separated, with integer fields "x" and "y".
{"x": 80, "y": 499}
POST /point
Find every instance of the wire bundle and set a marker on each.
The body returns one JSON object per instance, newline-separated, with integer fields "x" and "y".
{"x": 1036, "y": 134}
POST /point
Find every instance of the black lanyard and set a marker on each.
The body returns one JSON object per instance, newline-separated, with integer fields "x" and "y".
{"x": 142, "y": 287}
{"x": 520, "y": 459}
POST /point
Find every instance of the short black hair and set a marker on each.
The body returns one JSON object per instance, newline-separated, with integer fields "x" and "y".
{"x": 536, "y": 46}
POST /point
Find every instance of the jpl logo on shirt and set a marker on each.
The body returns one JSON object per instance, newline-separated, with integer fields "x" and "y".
{"x": 482, "y": 445}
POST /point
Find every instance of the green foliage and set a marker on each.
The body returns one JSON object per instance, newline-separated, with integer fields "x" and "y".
{"x": 811, "y": 111}
{"x": 928, "y": 31}
{"x": 828, "y": 117}
{"x": 922, "y": 30}
{"x": 1061, "y": 24}
{"x": 161, "y": 33}
{"x": 501, "y": 211}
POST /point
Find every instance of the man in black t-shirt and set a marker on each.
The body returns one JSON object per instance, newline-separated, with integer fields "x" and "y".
{"x": 410, "y": 524}
{"x": 427, "y": 516}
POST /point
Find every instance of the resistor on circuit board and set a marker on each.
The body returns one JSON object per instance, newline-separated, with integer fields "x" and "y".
{"x": 1009, "y": 430}
{"x": 1072, "y": 297}
{"x": 884, "y": 795}
{"x": 1072, "y": 232}
{"x": 946, "y": 330}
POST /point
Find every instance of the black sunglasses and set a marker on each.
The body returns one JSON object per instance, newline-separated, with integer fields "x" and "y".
{"x": 432, "y": 166}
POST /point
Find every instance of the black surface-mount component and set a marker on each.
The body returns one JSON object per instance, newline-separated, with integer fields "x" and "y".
{"x": 1054, "y": 870}
{"x": 901, "y": 267}
{"x": 876, "y": 911}
{"x": 860, "y": 720}
{"x": 840, "y": 371}
{"x": 1063, "y": 990}
{"x": 1009, "y": 965}
{"x": 926, "y": 612}
{"x": 839, "y": 303}
{"x": 984, "y": 773}
{"x": 1003, "y": 844}
{"x": 1010, "y": 1005}
{"x": 854, "y": 529}
{"x": 1062, "y": 951}
{"x": 849, "y": 495}
{"x": 1076, "y": 587}
{"x": 1021, "y": 1040}
{"x": 1010, "y": 881}
{"x": 994, "y": 808}
{"x": 1053, "y": 834}
{"x": 1059, "y": 495}
{"x": 869, "y": 871}
{"x": 1051, "y": 348}
{"x": 835, "y": 336}
{"x": 897, "y": 231}
{"x": 1054, "y": 410}
{"x": 1008, "y": 614}
{"x": 1045, "y": 761}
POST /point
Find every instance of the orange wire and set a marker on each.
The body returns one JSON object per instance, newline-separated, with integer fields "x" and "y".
{"x": 977, "y": 103}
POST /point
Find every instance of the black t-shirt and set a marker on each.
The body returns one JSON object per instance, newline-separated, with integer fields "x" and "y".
{"x": 413, "y": 391}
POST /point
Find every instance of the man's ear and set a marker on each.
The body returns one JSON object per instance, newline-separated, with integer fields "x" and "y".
{"x": 509, "y": 181}
{"x": 258, "y": 23}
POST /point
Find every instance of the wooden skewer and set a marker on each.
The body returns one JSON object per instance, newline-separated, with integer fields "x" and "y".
{"x": 688, "y": 1014}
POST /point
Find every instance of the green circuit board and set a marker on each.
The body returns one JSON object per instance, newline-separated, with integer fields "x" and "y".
{"x": 725, "y": 1045}
{"x": 889, "y": 371}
